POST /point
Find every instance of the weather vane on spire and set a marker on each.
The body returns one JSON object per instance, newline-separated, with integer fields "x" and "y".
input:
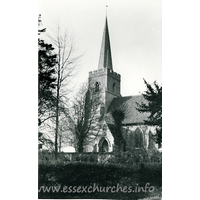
{"x": 106, "y": 10}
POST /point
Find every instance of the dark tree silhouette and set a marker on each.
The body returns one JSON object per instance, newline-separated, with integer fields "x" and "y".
{"x": 153, "y": 96}
{"x": 46, "y": 80}
{"x": 119, "y": 140}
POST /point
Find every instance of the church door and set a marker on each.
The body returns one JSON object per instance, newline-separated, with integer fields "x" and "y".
{"x": 103, "y": 146}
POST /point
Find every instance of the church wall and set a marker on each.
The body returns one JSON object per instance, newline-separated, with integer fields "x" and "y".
{"x": 113, "y": 87}
{"x": 129, "y": 134}
{"x": 109, "y": 97}
{"x": 116, "y": 79}
{"x": 106, "y": 78}
{"x": 97, "y": 76}
{"x": 94, "y": 146}
{"x": 100, "y": 77}
{"x": 147, "y": 132}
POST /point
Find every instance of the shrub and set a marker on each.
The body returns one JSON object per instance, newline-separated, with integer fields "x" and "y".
{"x": 86, "y": 174}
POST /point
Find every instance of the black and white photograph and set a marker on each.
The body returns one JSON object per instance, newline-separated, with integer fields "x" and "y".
{"x": 83, "y": 115}
{"x": 100, "y": 99}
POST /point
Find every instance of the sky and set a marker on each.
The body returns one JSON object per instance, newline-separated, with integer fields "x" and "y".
{"x": 135, "y": 28}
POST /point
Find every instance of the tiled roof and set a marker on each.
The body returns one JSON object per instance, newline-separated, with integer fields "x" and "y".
{"x": 128, "y": 106}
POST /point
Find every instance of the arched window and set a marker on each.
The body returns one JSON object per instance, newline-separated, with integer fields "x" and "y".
{"x": 138, "y": 138}
{"x": 103, "y": 145}
{"x": 97, "y": 87}
{"x": 137, "y": 141}
{"x": 151, "y": 140}
{"x": 113, "y": 87}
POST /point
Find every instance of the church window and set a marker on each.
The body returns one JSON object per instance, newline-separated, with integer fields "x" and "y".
{"x": 103, "y": 145}
{"x": 137, "y": 141}
{"x": 97, "y": 87}
{"x": 113, "y": 87}
{"x": 138, "y": 138}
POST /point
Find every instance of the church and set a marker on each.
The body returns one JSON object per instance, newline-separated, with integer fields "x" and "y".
{"x": 135, "y": 134}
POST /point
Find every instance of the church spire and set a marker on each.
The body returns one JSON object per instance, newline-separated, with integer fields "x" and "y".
{"x": 105, "y": 59}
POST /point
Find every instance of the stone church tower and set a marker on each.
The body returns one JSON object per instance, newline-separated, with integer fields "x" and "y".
{"x": 107, "y": 82}
{"x": 104, "y": 79}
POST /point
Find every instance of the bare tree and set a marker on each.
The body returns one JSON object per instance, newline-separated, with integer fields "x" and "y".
{"x": 84, "y": 117}
{"x": 65, "y": 70}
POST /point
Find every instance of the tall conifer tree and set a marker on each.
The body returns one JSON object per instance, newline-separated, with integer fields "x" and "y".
{"x": 153, "y": 95}
{"x": 46, "y": 80}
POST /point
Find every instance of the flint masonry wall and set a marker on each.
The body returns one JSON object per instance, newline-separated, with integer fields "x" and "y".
{"x": 109, "y": 84}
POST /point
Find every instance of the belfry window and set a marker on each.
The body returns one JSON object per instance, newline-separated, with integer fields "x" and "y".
{"x": 97, "y": 87}
{"x": 113, "y": 87}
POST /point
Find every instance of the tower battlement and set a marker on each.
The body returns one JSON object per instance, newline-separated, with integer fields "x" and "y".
{"x": 105, "y": 70}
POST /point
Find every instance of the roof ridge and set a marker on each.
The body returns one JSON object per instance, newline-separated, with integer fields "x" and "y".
{"x": 128, "y": 96}
{"x": 133, "y": 95}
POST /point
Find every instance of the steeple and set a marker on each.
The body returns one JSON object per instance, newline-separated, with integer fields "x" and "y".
{"x": 105, "y": 80}
{"x": 105, "y": 59}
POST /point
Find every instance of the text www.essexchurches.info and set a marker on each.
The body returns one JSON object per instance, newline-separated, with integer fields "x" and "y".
{"x": 95, "y": 188}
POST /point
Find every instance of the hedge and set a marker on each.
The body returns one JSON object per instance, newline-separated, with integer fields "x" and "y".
{"x": 86, "y": 174}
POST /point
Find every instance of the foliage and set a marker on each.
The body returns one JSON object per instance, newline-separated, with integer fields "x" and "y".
{"x": 118, "y": 116}
{"x": 87, "y": 174}
{"x": 47, "y": 142}
{"x": 46, "y": 80}
{"x": 119, "y": 140}
{"x": 135, "y": 158}
{"x": 153, "y": 96}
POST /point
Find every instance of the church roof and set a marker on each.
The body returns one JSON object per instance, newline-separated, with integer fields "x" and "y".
{"x": 105, "y": 58}
{"x": 128, "y": 106}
